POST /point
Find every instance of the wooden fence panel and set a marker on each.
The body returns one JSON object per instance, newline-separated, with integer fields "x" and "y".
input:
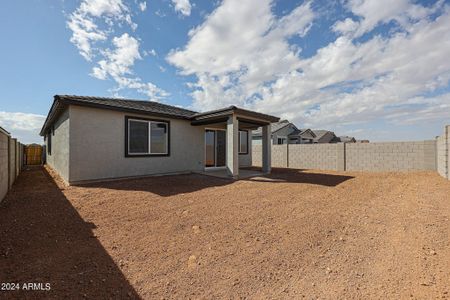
{"x": 33, "y": 155}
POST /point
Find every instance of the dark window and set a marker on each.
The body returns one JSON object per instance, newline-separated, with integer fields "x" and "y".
{"x": 146, "y": 137}
{"x": 49, "y": 143}
{"x": 243, "y": 142}
{"x": 138, "y": 137}
{"x": 281, "y": 141}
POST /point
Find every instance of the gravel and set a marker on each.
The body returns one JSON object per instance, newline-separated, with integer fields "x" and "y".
{"x": 297, "y": 234}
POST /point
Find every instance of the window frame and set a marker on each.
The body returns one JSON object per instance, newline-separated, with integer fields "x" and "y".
{"x": 283, "y": 139}
{"x": 149, "y": 121}
{"x": 239, "y": 142}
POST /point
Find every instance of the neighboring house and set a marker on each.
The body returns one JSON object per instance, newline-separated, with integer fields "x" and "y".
{"x": 324, "y": 137}
{"x": 94, "y": 138}
{"x": 362, "y": 141}
{"x": 307, "y": 136}
{"x": 346, "y": 139}
{"x": 284, "y": 132}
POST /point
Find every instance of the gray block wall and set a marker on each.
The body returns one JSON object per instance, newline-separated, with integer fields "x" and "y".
{"x": 314, "y": 156}
{"x": 4, "y": 161}
{"x": 12, "y": 161}
{"x": 391, "y": 156}
{"x": 257, "y": 155}
{"x": 279, "y": 156}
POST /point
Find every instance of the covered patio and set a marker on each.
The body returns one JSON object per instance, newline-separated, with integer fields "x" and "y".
{"x": 232, "y": 121}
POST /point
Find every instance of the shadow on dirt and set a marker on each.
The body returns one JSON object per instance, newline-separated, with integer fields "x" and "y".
{"x": 171, "y": 185}
{"x": 282, "y": 175}
{"x": 45, "y": 240}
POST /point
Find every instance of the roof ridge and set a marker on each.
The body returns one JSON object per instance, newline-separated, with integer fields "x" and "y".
{"x": 122, "y": 99}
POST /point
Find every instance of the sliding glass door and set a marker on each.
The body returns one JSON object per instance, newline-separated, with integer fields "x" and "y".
{"x": 215, "y": 148}
{"x": 210, "y": 148}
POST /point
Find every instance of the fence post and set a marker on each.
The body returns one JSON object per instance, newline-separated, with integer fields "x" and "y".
{"x": 447, "y": 151}
{"x": 9, "y": 162}
{"x": 340, "y": 155}
{"x": 287, "y": 155}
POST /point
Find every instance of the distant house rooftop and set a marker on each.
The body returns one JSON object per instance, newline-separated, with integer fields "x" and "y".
{"x": 274, "y": 126}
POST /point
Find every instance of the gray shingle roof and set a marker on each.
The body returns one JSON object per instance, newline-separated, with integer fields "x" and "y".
{"x": 319, "y": 133}
{"x": 346, "y": 139}
{"x": 274, "y": 126}
{"x": 137, "y": 106}
{"x": 141, "y": 105}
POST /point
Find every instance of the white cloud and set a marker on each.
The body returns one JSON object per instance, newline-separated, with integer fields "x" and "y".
{"x": 373, "y": 13}
{"x": 151, "y": 52}
{"x": 182, "y": 6}
{"x": 23, "y": 126}
{"x": 143, "y": 6}
{"x": 85, "y": 32}
{"x": 241, "y": 55}
{"x": 239, "y": 48}
{"x": 346, "y": 26}
{"x": 116, "y": 63}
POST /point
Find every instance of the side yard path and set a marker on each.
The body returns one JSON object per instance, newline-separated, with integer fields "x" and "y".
{"x": 295, "y": 234}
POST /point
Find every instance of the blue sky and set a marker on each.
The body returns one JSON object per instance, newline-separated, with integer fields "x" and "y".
{"x": 377, "y": 70}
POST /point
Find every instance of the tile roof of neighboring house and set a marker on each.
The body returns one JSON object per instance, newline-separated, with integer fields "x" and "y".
{"x": 139, "y": 106}
{"x": 319, "y": 132}
{"x": 307, "y": 134}
{"x": 346, "y": 139}
{"x": 274, "y": 126}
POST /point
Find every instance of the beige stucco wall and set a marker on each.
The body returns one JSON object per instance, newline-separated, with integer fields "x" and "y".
{"x": 97, "y": 147}
{"x": 3, "y": 165}
{"x": 59, "y": 158}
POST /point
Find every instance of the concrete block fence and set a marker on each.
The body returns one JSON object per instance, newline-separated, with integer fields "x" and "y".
{"x": 11, "y": 161}
{"x": 389, "y": 156}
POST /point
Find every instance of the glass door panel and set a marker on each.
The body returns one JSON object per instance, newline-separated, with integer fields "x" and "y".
{"x": 220, "y": 148}
{"x": 210, "y": 145}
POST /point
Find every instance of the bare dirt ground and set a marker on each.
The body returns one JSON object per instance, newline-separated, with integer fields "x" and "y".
{"x": 297, "y": 234}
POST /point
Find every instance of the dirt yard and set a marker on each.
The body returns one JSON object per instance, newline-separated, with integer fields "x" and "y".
{"x": 296, "y": 234}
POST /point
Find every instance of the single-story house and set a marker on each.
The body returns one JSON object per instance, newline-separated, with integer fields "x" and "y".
{"x": 307, "y": 136}
{"x": 324, "y": 136}
{"x": 96, "y": 138}
{"x": 284, "y": 132}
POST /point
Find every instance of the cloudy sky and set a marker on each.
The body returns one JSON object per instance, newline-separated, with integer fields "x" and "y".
{"x": 374, "y": 69}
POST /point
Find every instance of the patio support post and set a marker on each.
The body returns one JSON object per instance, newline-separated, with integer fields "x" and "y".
{"x": 232, "y": 146}
{"x": 266, "y": 149}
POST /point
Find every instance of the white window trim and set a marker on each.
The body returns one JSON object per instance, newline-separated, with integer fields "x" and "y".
{"x": 149, "y": 137}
